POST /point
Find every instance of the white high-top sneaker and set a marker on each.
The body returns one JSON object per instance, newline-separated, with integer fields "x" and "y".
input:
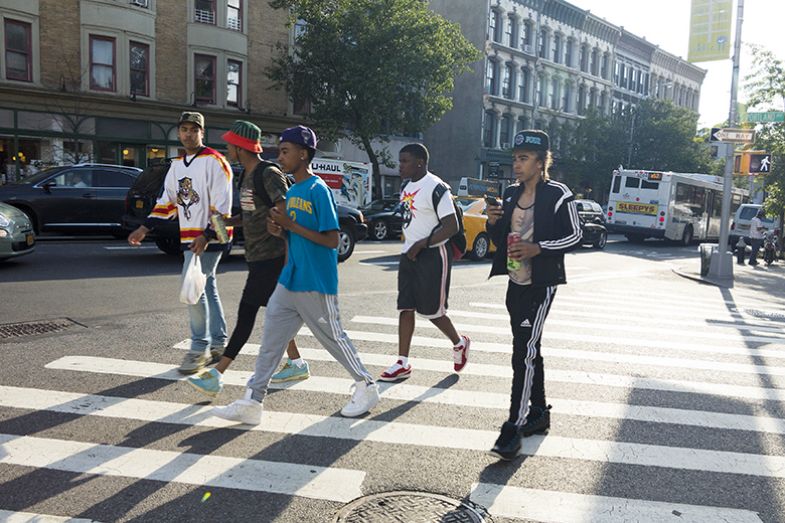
{"x": 364, "y": 397}
{"x": 246, "y": 410}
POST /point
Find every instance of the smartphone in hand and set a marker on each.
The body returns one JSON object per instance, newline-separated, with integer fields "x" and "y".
{"x": 490, "y": 200}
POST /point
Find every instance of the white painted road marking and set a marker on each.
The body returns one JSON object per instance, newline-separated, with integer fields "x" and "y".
{"x": 6, "y": 516}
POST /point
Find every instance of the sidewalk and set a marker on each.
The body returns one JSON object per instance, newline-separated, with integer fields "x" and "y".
{"x": 760, "y": 277}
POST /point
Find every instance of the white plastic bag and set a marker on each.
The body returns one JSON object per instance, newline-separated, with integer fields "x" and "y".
{"x": 193, "y": 283}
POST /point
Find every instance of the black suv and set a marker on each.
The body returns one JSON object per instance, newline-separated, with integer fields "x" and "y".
{"x": 592, "y": 223}
{"x": 86, "y": 197}
{"x": 148, "y": 187}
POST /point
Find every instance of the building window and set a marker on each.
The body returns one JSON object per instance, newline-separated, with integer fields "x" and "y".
{"x": 543, "y": 43}
{"x": 204, "y": 78}
{"x": 604, "y": 102}
{"x": 489, "y": 123}
{"x": 557, "y": 48}
{"x": 508, "y": 82}
{"x": 568, "y": 52}
{"x": 555, "y": 94}
{"x": 102, "y": 73}
{"x": 491, "y": 80}
{"x": 504, "y": 135}
{"x": 205, "y": 11}
{"x": 582, "y": 100}
{"x": 234, "y": 15}
{"x": 523, "y": 123}
{"x": 523, "y": 94}
{"x": 234, "y": 78}
{"x": 542, "y": 90}
{"x": 526, "y": 37}
{"x": 584, "y": 58}
{"x": 595, "y": 62}
{"x": 139, "y": 61}
{"x": 512, "y": 31}
{"x": 495, "y": 26}
{"x": 605, "y": 61}
{"x": 566, "y": 101}
{"x": 18, "y": 51}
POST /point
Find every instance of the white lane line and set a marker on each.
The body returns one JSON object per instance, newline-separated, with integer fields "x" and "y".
{"x": 503, "y": 326}
{"x": 755, "y": 336}
{"x": 565, "y": 507}
{"x": 587, "y": 338}
{"x": 373, "y": 252}
{"x": 599, "y": 276}
{"x": 479, "y": 399}
{"x": 315, "y": 482}
{"x": 378, "y": 263}
{"x": 309, "y": 481}
{"x": 648, "y": 299}
{"x": 130, "y": 248}
{"x": 6, "y": 516}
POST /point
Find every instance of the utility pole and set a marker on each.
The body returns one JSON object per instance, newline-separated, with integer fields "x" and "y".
{"x": 721, "y": 266}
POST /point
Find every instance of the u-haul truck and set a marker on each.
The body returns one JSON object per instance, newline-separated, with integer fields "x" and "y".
{"x": 350, "y": 181}
{"x": 675, "y": 206}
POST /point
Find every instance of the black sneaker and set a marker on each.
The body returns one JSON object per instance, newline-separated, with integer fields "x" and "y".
{"x": 508, "y": 444}
{"x": 537, "y": 422}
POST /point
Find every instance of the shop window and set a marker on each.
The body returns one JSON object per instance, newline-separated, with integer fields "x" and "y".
{"x": 102, "y": 62}
{"x": 18, "y": 51}
{"x": 140, "y": 69}
{"x": 234, "y": 77}
{"x": 204, "y": 11}
{"x": 204, "y": 78}
{"x": 234, "y": 15}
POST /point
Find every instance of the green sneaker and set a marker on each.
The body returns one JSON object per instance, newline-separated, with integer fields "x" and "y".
{"x": 193, "y": 362}
{"x": 291, "y": 372}
{"x": 208, "y": 382}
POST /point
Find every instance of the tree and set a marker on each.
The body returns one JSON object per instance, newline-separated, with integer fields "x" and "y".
{"x": 371, "y": 68}
{"x": 765, "y": 87}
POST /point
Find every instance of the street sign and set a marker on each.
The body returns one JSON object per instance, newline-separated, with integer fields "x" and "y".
{"x": 767, "y": 117}
{"x": 732, "y": 135}
{"x": 760, "y": 164}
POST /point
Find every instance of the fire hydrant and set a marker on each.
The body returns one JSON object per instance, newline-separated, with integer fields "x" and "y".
{"x": 741, "y": 251}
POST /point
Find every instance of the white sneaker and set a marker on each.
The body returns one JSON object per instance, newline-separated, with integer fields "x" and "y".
{"x": 246, "y": 411}
{"x": 364, "y": 398}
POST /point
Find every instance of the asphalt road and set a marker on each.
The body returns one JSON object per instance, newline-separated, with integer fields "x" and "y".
{"x": 667, "y": 396}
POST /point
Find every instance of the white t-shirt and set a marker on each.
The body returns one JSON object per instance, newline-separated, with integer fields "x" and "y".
{"x": 755, "y": 234}
{"x": 419, "y": 216}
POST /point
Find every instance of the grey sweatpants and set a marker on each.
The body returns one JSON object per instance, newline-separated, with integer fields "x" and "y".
{"x": 285, "y": 314}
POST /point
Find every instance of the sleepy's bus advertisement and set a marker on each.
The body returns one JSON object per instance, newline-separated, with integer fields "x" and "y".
{"x": 349, "y": 181}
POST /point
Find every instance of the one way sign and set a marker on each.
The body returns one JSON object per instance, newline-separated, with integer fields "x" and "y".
{"x": 732, "y": 135}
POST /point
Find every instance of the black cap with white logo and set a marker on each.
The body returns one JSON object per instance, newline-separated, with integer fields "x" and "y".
{"x": 532, "y": 140}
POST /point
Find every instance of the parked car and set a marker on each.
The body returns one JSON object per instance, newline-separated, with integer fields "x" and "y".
{"x": 592, "y": 223}
{"x": 16, "y": 233}
{"x": 740, "y": 226}
{"x": 141, "y": 198}
{"x": 75, "y": 198}
{"x": 478, "y": 242}
{"x": 384, "y": 218}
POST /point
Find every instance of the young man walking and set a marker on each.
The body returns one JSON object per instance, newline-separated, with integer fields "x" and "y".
{"x": 262, "y": 186}
{"x": 426, "y": 259}
{"x": 196, "y": 186}
{"x": 308, "y": 286}
{"x": 543, "y": 218}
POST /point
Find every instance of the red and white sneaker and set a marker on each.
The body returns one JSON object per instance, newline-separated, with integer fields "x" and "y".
{"x": 460, "y": 355}
{"x": 396, "y": 372}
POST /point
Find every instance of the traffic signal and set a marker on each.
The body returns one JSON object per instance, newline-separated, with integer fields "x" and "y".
{"x": 752, "y": 162}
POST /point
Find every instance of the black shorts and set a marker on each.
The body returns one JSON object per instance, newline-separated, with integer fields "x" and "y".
{"x": 262, "y": 280}
{"x": 424, "y": 284}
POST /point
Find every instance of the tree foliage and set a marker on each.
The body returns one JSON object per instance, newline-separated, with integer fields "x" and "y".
{"x": 372, "y": 68}
{"x": 655, "y": 135}
{"x": 765, "y": 87}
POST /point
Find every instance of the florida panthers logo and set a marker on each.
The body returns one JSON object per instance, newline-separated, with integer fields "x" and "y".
{"x": 408, "y": 210}
{"x": 186, "y": 196}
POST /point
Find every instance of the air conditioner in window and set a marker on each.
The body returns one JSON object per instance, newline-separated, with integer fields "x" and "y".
{"x": 141, "y": 3}
{"x": 506, "y": 145}
{"x": 528, "y": 48}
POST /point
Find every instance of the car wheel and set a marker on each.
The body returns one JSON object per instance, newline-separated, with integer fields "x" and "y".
{"x": 31, "y": 216}
{"x": 686, "y": 238}
{"x": 345, "y": 243}
{"x": 601, "y": 241}
{"x": 379, "y": 230}
{"x": 480, "y": 247}
{"x": 170, "y": 246}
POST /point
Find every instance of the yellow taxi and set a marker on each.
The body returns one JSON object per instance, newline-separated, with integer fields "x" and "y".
{"x": 478, "y": 243}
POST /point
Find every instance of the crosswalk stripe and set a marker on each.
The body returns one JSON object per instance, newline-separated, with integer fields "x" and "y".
{"x": 480, "y": 399}
{"x": 310, "y": 481}
{"x": 6, "y": 516}
{"x": 680, "y": 317}
{"x": 565, "y": 507}
{"x": 185, "y": 470}
{"x": 504, "y": 328}
{"x": 588, "y": 338}
{"x": 662, "y": 298}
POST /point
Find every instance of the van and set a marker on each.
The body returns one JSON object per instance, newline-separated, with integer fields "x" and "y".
{"x": 740, "y": 226}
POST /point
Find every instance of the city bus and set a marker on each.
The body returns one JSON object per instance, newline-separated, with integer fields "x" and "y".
{"x": 676, "y": 206}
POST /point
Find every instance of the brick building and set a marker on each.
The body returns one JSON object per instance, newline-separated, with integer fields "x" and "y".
{"x": 105, "y": 80}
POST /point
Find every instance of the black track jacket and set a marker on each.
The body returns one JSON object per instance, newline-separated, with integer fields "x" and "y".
{"x": 557, "y": 229}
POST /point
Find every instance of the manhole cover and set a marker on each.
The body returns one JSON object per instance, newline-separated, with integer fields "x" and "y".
{"x": 31, "y": 328}
{"x": 409, "y": 507}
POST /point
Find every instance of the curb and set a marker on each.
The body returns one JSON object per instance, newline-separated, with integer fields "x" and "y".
{"x": 694, "y": 276}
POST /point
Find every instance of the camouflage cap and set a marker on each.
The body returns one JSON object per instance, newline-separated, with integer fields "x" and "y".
{"x": 193, "y": 117}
